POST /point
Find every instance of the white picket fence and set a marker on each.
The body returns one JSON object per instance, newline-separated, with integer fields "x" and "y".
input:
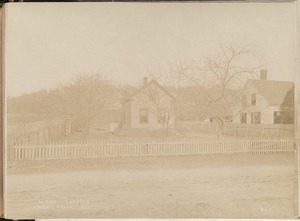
{"x": 92, "y": 150}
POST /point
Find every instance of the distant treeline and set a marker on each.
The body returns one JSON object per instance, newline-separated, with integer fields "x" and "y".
{"x": 88, "y": 96}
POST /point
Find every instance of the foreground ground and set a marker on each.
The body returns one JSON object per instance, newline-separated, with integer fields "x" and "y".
{"x": 230, "y": 186}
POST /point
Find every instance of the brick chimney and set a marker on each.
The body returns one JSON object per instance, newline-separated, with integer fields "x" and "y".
{"x": 145, "y": 82}
{"x": 263, "y": 74}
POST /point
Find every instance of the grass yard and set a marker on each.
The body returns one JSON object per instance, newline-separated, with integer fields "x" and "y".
{"x": 230, "y": 186}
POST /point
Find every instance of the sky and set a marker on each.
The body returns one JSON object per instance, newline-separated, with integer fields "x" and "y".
{"x": 48, "y": 44}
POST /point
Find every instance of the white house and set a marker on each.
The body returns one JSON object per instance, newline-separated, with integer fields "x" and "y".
{"x": 261, "y": 100}
{"x": 150, "y": 107}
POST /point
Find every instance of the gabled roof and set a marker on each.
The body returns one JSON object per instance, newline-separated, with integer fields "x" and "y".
{"x": 273, "y": 91}
{"x": 146, "y": 86}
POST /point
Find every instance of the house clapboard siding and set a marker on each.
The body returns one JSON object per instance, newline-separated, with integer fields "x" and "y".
{"x": 150, "y": 107}
{"x": 261, "y": 100}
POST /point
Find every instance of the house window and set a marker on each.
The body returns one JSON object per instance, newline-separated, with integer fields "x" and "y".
{"x": 244, "y": 101}
{"x": 143, "y": 116}
{"x": 255, "y": 118}
{"x": 243, "y": 118}
{"x": 253, "y": 99}
{"x": 277, "y": 117}
{"x": 161, "y": 116}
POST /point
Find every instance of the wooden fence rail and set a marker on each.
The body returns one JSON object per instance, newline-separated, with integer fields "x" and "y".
{"x": 253, "y": 131}
{"x": 73, "y": 151}
{"x": 39, "y": 132}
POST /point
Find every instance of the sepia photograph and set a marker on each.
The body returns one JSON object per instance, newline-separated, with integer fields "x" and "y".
{"x": 150, "y": 110}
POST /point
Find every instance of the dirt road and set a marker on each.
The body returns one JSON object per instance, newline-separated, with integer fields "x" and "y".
{"x": 233, "y": 186}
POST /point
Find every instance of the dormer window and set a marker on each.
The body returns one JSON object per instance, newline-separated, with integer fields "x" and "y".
{"x": 253, "y": 99}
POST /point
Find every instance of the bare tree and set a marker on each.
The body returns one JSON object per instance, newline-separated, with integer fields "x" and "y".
{"x": 183, "y": 91}
{"x": 86, "y": 97}
{"x": 220, "y": 78}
